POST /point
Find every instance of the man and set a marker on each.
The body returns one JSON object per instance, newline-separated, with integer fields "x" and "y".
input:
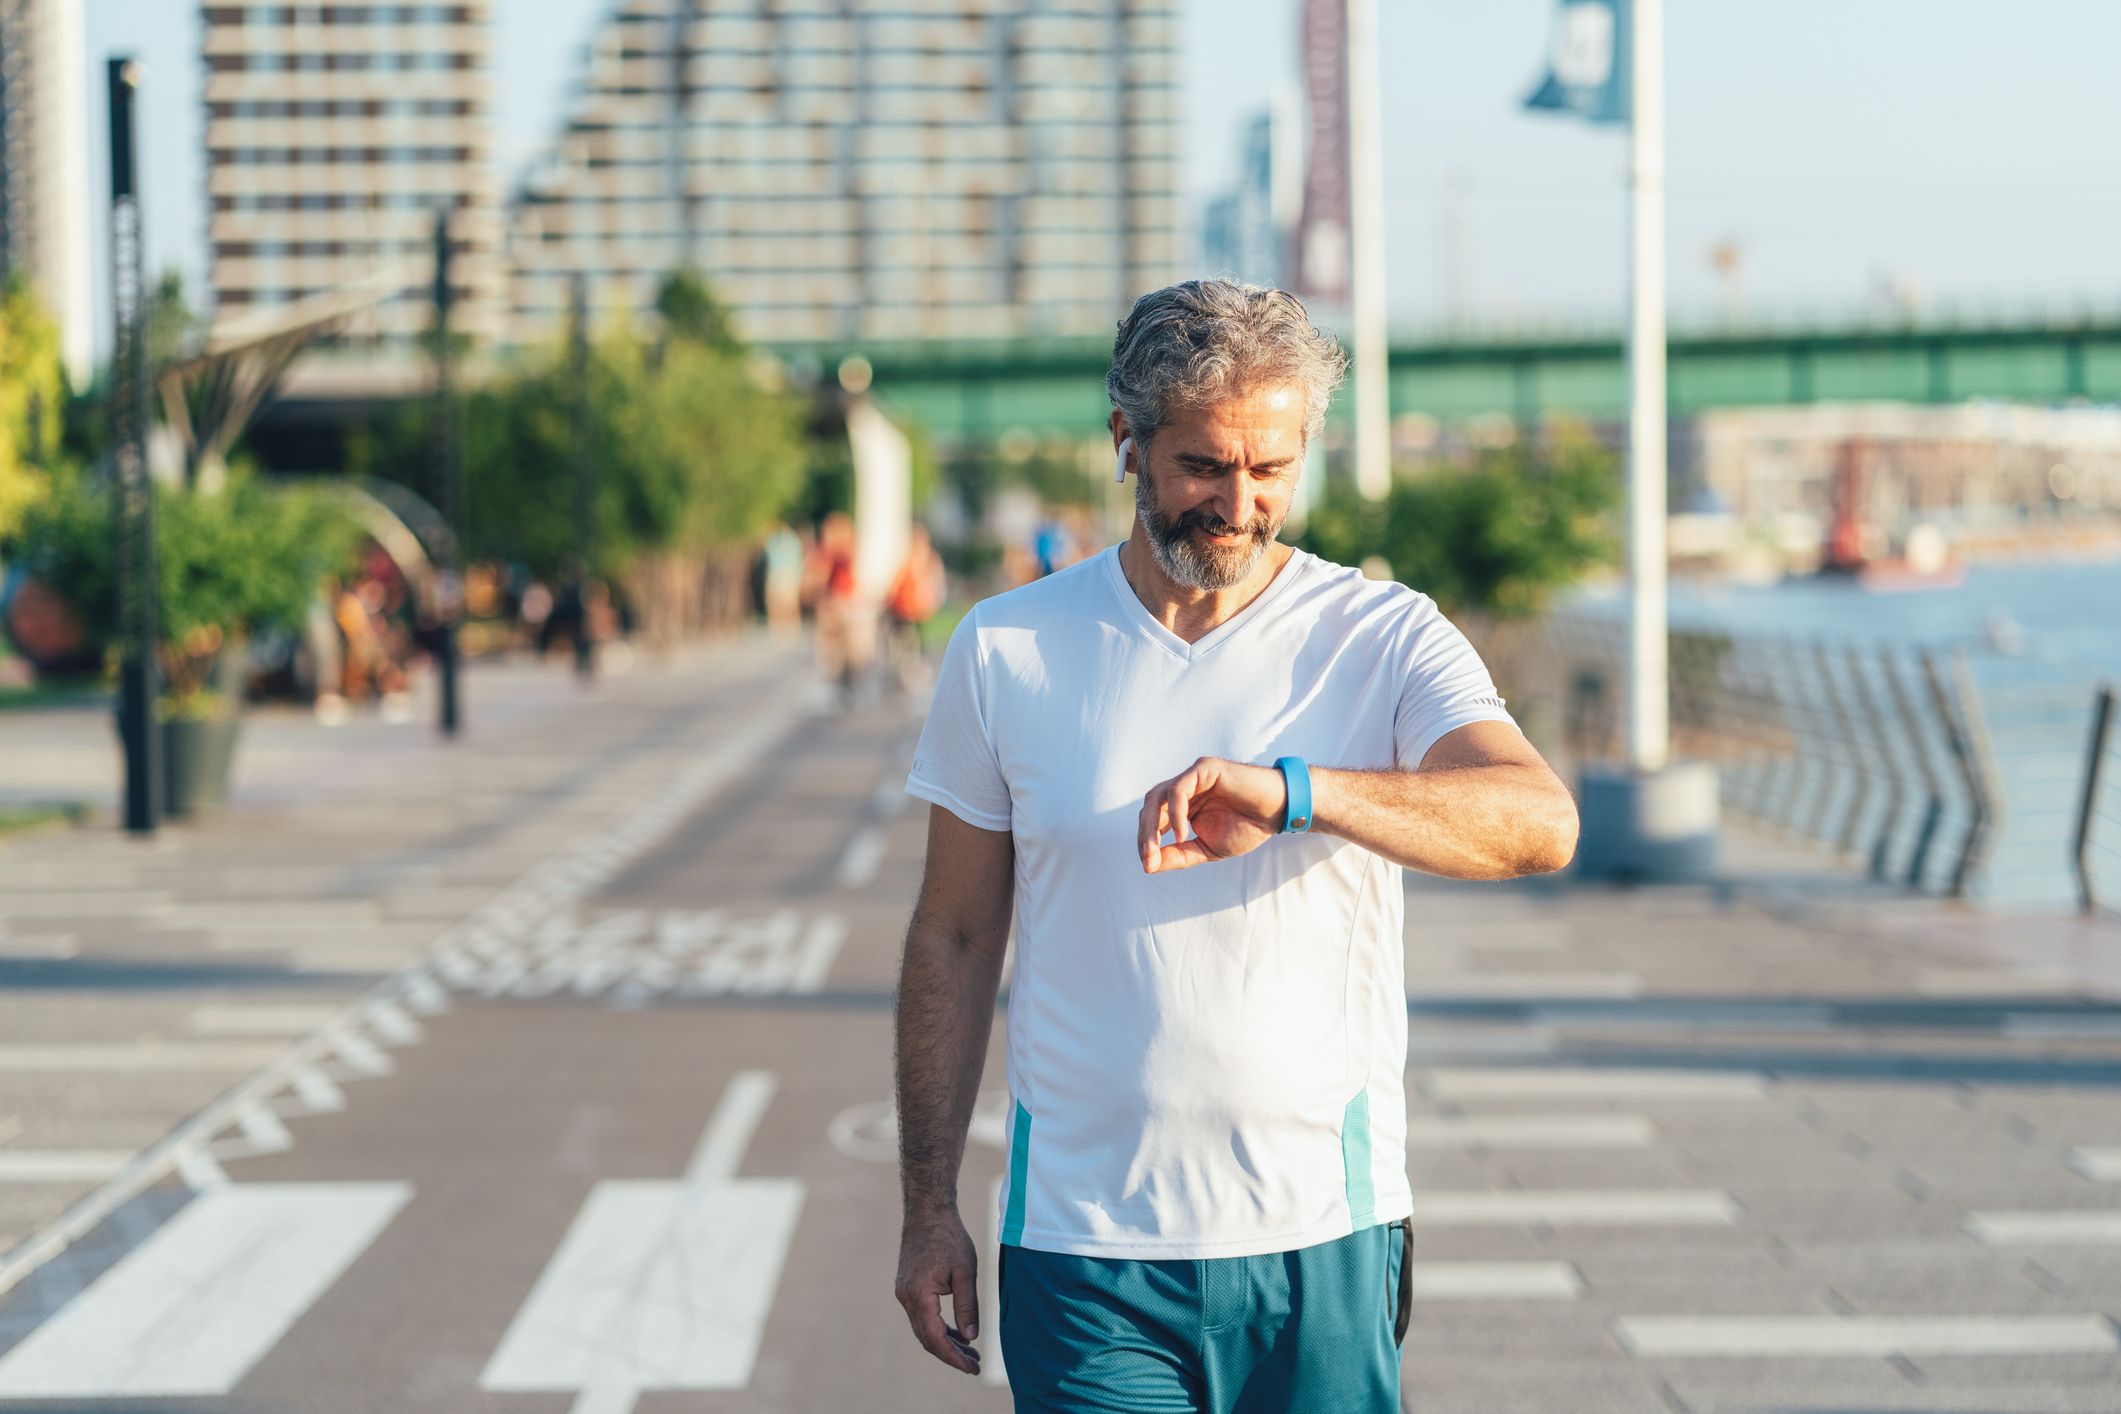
{"x": 1194, "y": 767}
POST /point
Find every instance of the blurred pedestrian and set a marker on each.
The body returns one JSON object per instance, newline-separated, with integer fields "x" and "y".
{"x": 845, "y": 633}
{"x": 916, "y": 596}
{"x": 783, "y": 591}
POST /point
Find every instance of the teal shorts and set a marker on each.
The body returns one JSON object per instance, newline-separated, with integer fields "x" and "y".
{"x": 1313, "y": 1329}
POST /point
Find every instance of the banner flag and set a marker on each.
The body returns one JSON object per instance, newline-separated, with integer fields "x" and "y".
{"x": 1587, "y": 64}
{"x": 1320, "y": 260}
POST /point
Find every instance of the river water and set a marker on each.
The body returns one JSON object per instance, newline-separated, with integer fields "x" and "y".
{"x": 2038, "y": 638}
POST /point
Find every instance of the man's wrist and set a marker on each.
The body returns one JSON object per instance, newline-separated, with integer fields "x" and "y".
{"x": 929, "y": 1205}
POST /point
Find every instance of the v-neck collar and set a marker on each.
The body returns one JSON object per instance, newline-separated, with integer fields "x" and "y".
{"x": 1134, "y": 611}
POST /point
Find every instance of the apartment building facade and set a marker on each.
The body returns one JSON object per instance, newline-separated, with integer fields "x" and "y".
{"x": 334, "y": 133}
{"x": 45, "y": 169}
{"x": 864, "y": 169}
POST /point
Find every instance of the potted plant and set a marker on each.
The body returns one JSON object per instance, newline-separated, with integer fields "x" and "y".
{"x": 230, "y": 563}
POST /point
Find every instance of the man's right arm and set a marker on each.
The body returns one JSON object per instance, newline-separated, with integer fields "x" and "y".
{"x": 947, "y": 987}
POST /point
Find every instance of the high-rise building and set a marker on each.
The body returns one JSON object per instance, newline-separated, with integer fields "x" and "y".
{"x": 1249, "y": 231}
{"x": 44, "y": 167}
{"x": 333, "y": 135}
{"x": 843, "y": 169}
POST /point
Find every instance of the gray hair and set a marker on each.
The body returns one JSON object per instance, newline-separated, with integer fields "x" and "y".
{"x": 1190, "y": 344}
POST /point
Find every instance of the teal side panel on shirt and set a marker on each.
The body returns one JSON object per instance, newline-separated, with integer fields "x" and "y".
{"x": 1355, "y": 1159}
{"x": 1019, "y": 1155}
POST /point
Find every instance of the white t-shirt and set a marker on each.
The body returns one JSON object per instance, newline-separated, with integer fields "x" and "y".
{"x": 1207, "y": 1063}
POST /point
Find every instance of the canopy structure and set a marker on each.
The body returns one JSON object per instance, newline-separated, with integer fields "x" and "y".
{"x": 212, "y": 397}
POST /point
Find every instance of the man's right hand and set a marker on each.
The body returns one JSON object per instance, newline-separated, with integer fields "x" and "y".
{"x": 935, "y": 1257}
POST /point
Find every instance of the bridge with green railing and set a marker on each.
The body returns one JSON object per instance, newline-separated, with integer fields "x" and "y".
{"x": 973, "y": 392}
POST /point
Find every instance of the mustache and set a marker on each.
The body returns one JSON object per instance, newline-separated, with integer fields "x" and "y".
{"x": 1216, "y": 525}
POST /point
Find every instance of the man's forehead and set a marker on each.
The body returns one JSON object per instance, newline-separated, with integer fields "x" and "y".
{"x": 1255, "y": 422}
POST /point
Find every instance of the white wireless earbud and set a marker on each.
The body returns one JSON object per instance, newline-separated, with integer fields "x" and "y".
{"x": 1119, "y": 470}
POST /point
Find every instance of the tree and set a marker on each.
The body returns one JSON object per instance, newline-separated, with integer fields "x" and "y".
{"x": 691, "y": 451}
{"x": 1498, "y": 537}
{"x": 228, "y": 564}
{"x": 32, "y": 401}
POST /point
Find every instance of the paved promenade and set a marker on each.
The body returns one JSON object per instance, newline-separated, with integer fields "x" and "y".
{"x": 549, "y": 1070}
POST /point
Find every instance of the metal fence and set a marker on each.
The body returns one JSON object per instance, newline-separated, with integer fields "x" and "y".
{"x": 1957, "y": 772}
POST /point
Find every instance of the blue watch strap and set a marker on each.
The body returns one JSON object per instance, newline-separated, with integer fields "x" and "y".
{"x": 1297, "y": 776}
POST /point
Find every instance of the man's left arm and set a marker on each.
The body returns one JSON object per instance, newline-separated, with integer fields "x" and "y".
{"x": 1483, "y": 804}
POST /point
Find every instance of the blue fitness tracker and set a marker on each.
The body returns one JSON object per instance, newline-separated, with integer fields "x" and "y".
{"x": 1298, "y": 778}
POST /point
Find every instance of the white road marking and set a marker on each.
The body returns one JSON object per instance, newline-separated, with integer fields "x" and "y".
{"x": 1527, "y": 984}
{"x": 889, "y": 798}
{"x": 1549, "y": 1083}
{"x": 390, "y": 1021}
{"x": 259, "y": 1020}
{"x": 190, "y": 1310}
{"x": 2101, "y": 1164}
{"x": 721, "y": 1148}
{"x": 134, "y": 1055}
{"x": 361, "y": 1054}
{"x": 200, "y": 1170}
{"x": 2094, "y": 1227}
{"x": 820, "y": 947}
{"x": 1589, "y": 1131}
{"x": 1865, "y": 1335}
{"x": 1586, "y": 1207}
{"x": 98, "y": 903}
{"x": 864, "y": 856}
{"x": 660, "y": 1285}
{"x": 1496, "y": 1281}
{"x": 60, "y": 1165}
{"x": 317, "y": 1091}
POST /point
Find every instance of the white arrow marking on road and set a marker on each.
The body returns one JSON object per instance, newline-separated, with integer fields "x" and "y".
{"x": 660, "y": 1285}
{"x": 190, "y": 1310}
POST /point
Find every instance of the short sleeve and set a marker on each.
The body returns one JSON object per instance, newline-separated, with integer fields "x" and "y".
{"x": 1446, "y": 687}
{"x": 955, "y": 765}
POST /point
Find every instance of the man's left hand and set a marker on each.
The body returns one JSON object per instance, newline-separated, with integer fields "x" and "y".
{"x": 1228, "y": 808}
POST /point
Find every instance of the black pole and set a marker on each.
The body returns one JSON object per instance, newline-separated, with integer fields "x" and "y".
{"x": 132, "y": 494}
{"x": 444, "y": 482}
{"x": 585, "y": 653}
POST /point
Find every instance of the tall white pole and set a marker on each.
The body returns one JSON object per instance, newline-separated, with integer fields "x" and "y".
{"x": 1649, "y": 728}
{"x": 1366, "y": 274}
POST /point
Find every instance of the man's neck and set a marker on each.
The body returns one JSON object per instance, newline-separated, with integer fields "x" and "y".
{"x": 1191, "y": 613}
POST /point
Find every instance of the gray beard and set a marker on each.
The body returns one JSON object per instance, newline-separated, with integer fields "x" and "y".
{"x": 1186, "y": 560}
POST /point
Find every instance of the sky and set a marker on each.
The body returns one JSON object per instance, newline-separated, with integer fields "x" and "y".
{"x": 1959, "y": 153}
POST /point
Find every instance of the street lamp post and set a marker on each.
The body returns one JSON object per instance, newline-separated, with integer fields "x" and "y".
{"x": 445, "y": 477}
{"x": 585, "y": 661}
{"x": 133, "y": 498}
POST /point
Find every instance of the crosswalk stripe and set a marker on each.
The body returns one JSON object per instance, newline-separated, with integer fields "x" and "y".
{"x": 1496, "y": 1281}
{"x": 1532, "y": 1131}
{"x": 191, "y": 1309}
{"x": 1548, "y": 1082}
{"x": 60, "y": 1165}
{"x": 252, "y": 1020}
{"x": 134, "y": 1055}
{"x": 1597, "y": 1207}
{"x": 2099, "y": 1163}
{"x": 660, "y": 1285}
{"x": 1866, "y": 1335}
{"x": 2095, "y": 1227}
